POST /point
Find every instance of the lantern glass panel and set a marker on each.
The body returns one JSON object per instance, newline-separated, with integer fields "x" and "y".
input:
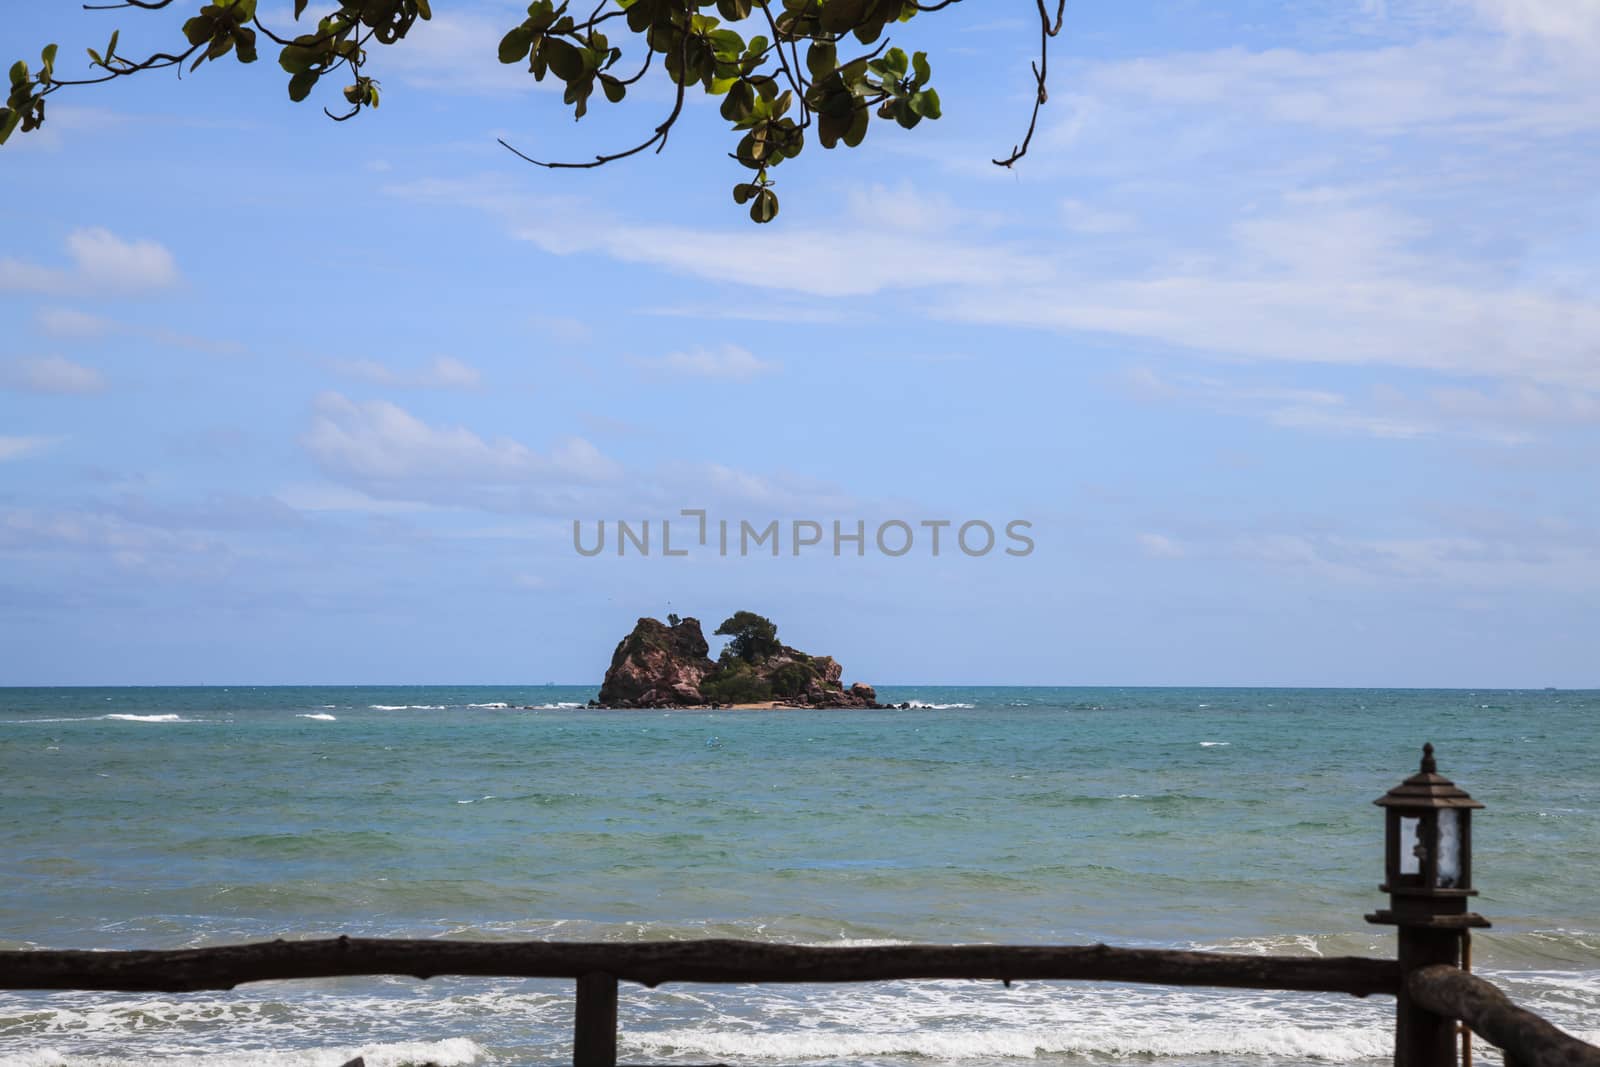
{"x": 1410, "y": 858}
{"x": 1449, "y": 849}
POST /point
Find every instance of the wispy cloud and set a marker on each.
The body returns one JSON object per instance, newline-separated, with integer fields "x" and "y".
{"x": 50, "y": 374}
{"x": 728, "y": 362}
{"x": 387, "y": 452}
{"x": 102, "y": 264}
{"x": 444, "y": 372}
{"x": 17, "y": 447}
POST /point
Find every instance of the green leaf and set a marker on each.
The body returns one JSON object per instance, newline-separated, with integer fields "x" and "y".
{"x": 925, "y": 103}
{"x": 111, "y": 47}
{"x": 426, "y": 11}
{"x": 514, "y": 46}
{"x": 613, "y": 88}
{"x": 839, "y": 16}
{"x": 821, "y": 58}
{"x": 49, "y": 56}
{"x": 740, "y": 102}
{"x": 300, "y": 8}
{"x": 95, "y": 57}
{"x": 19, "y": 73}
{"x": 858, "y": 128}
{"x": 744, "y": 191}
{"x": 765, "y": 206}
{"x": 919, "y": 63}
{"x": 563, "y": 58}
{"x": 301, "y": 84}
{"x": 8, "y": 122}
{"x": 295, "y": 60}
{"x": 244, "y": 40}
{"x": 894, "y": 61}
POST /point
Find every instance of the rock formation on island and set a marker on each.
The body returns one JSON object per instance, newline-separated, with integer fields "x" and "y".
{"x": 667, "y": 665}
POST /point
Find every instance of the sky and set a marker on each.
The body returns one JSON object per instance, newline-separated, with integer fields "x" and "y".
{"x": 1281, "y": 350}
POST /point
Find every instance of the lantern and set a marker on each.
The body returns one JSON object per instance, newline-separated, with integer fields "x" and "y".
{"x": 1428, "y": 851}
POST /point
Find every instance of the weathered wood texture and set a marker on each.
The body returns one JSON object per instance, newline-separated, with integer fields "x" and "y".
{"x": 1527, "y": 1039}
{"x": 594, "y": 1029}
{"x": 1423, "y": 1038}
{"x": 652, "y": 963}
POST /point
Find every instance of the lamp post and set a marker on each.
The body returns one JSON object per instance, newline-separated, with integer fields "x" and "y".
{"x": 1428, "y": 876}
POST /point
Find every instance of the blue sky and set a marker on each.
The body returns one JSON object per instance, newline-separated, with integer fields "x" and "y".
{"x": 1284, "y": 339}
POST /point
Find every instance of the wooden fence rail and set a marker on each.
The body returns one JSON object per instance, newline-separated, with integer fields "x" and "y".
{"x": 1527, "y": 1040}
{"x": 596, "y": 967}
{"x": 652, "y": 963}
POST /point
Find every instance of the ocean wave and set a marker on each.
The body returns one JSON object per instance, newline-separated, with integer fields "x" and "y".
{"x": 451, "y": 1052}
{"x": 938, "y": 707}
{"x": 496, "y": 704}
{"x": 320, "y": 716}
{"x": 406, "y": 707}
{"x": 117, "y": 717}
{"x": 1344, "y": 1043}
{"x": 1215, "y": 744}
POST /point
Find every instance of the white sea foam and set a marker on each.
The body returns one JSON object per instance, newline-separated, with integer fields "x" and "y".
{"x": 451, "y": 1052}
{"x": 1215, "y": 744}
{"x": 562, "y": 705}
{"x": 937, "y": 707}
{"x": 1109, "y": 1039}
{"x": 406, "y": 707}
{"x": 951, "y": 1022}
{"x": 495, "y": 704}
{"x": 320, "y": 716}
{"x": 118, "y": 717}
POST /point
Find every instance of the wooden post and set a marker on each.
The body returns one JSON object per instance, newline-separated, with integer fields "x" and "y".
{"x": 594, "y": 1031}
{"x": 1421, "y": 1038}
{"x": 1466, "y": 1031}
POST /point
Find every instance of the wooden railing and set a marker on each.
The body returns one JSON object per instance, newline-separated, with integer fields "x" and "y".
{"x": 1525, "y": 1038}
{"x": 1445, "y": 991}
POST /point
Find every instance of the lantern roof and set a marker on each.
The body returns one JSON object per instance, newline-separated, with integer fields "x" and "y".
{"x": 1427, "y": 789}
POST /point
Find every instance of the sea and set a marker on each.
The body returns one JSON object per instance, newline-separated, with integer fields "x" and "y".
{"x": 1237, "y": 820}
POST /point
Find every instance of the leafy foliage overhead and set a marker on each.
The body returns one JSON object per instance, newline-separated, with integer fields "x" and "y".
{"x": 747, "y": 52}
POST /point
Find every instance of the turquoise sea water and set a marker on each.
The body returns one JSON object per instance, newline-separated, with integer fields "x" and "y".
{"x": 1220, "y": 818}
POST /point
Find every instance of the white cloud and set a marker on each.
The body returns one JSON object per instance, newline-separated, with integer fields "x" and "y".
{"x": 455, "y": 53}
{"x": 1086, "y": 218}
{"x": 1565, "y": 23}
{"x": 379, "y": 444}
{"x": 1160, "y": 546}
{"x": 103, "y": 264}
{"x": 903, "y": 207}
{"x": 729, "y": 362}
{"x": 104, "y": 259}
{"x": 341, "y": 498}
{"x": 562, "y": 328}
{"x": 818, "y": 262}
{"x": 1343, "y": 286}
{"x": 444, "y": 372}
{"x": 70, "y": 324}
{"x": 17, "y": 447}
{"x": 1445, "y": 85}
{"x": 50, "y": 374}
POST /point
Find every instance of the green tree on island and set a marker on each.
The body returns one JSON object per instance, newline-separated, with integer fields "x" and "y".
{"x": 754, "y": 636}
{"x": 770, "y": 96}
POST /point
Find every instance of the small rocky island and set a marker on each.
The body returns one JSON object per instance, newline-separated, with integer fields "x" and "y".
{"x": 668, "y": 665}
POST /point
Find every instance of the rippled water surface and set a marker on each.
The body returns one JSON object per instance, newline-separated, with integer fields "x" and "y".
{"x": 1232, "y": 819}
